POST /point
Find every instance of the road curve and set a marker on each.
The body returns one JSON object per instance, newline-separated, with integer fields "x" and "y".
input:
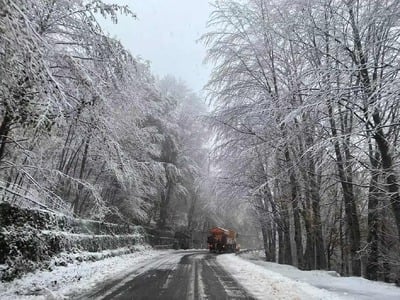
{"x": 180, "y": 275}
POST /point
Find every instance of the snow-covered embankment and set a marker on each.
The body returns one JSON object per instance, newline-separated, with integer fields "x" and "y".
{"x": 266, "y": 280}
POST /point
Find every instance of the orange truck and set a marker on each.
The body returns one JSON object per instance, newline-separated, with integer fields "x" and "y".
{"x": 222, "y": 240}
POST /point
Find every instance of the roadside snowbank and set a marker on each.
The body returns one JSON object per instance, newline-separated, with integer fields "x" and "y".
{"x": 264, "y": 284}
{"x": 270, "y": 279}
{"x": 347, "y": 287}
{"x": 75, "y": 278}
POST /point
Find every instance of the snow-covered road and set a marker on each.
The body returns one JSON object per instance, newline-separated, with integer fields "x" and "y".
{"x": 191, "y": 274}
{"x": 178, "y": 275}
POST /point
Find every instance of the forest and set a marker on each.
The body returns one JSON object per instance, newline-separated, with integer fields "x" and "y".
{"x": 306, "y": 114}
{"x": 87, "y": 129}
{"x": 297, "y": 138}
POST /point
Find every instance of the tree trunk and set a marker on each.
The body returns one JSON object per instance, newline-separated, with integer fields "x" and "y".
{"x": 320, "y": 256}
{"x": 164, "y": 203}
{"x": 373, "y": 223}
{"x": 266, "y": 241}
{"x": 285, "y": 229}
{"x": 296, "y": 214}
{"x": 348, "y": 196}
{"x": 4, "y": 130}
{"x": 309, "y": 261}
{"x": 272, "y": 244}
{"x": 75, "y": 204}
{"x": 288, "y": 249}
{"x": 281, "y": 247}
{"x": 390, "y": 175}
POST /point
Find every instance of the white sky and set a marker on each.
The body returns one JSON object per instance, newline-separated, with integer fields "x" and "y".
{"x": 166, "y": 33}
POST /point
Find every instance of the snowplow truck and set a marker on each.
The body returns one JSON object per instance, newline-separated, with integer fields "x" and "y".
{"x": 221, "y": 240}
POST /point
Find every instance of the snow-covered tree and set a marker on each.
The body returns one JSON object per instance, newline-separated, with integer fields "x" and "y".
{"x": 305, "y": 115}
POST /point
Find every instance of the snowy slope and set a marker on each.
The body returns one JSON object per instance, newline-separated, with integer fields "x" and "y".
{"x": 273, "y": 281}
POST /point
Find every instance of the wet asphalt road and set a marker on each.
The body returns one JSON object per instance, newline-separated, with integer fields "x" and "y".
{"x": 190, "y": 275}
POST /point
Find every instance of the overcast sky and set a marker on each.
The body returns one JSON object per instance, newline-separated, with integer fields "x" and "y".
{"x": 165, "y": 33}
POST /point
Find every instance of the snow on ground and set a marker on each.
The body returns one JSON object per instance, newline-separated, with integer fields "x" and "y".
{"x": 327, "y": 282}
{"x": 76, "y": 278}
{"x": 348, "y": 287}
{"x": 265, "y": 284}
